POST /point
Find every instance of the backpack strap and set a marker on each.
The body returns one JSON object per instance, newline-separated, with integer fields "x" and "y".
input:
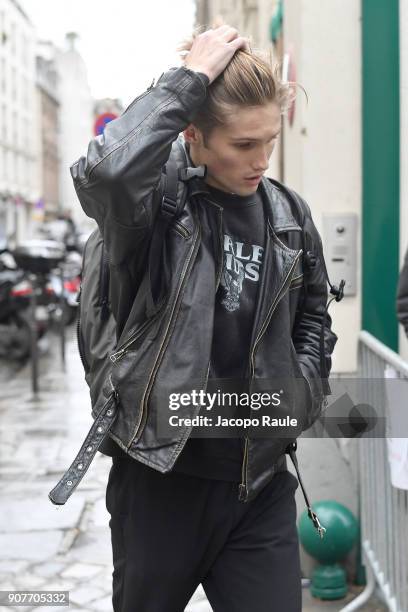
{"x": 291, "y": 451}
{"x": 172, "y": 204}
{"x": 170, "y": 207}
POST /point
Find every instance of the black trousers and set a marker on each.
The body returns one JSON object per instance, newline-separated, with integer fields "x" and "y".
{"x": 171, "y": 532}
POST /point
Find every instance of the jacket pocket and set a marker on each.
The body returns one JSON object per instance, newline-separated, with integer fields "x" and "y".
{"x": 296, "y": 282}
{"x": 136, "y": 337}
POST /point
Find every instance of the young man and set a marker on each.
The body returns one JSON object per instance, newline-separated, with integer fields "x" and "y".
{"x": 223, "y": 300}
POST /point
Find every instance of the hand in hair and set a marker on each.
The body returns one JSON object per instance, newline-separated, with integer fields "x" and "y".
{"x": 211, "y": 51}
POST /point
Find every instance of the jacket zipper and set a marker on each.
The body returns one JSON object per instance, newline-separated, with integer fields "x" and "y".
{"x": 243, "y": 487}
{"x": 296, "y": 282}
{"x": 180, "y": 229}
{"x": 221, "y": 257}
{"x": 125, "y": 347}
{"x": 186, "y": 269}
{"x": 271, "y": 311}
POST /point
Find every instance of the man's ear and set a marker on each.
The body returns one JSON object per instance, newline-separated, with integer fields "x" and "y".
{"x": 192, "y": 134}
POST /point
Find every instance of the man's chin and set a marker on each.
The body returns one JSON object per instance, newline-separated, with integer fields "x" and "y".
{"x": 246, "y": 191}
{"x": 240, "y": 190}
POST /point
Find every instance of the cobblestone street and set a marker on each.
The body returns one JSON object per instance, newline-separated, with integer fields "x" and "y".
{"x": 45, "y": 547}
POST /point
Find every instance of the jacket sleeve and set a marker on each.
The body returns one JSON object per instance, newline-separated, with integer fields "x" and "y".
{"x": 307, "y": 332}
{"x": 117, "y": 180}
{"x": 402, "y": 295}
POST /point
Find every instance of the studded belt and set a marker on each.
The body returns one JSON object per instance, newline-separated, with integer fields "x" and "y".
{"x": 97, "y": 433}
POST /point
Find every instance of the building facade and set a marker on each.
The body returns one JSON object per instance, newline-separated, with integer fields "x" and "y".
{"x": 251, "y": 17}
{"x": 76, "y": 124}
{"x": 18, "y": 183}
{"x": 48, "y": 131}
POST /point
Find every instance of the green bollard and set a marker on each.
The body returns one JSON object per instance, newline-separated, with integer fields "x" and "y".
{"x": 329, "y": 578}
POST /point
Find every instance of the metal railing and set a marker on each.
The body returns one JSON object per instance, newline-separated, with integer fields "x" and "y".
{"x": 383, "y": 507}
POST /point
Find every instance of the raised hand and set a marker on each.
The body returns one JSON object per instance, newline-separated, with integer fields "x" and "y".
{"x": 212, "y": 50}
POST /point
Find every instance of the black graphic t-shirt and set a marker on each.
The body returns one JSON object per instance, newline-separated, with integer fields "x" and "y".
{"x": 243, "y": 230}
{"x": 243, "y": 245}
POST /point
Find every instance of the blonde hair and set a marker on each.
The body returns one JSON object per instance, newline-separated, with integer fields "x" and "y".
{"x": 250, "y": 79}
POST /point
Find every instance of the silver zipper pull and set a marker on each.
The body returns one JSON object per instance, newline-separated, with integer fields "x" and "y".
{"x": 117, "y": 355}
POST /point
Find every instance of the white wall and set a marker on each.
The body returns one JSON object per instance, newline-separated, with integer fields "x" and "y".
{"x": 323, "y": 163}
{"x": 323, "y": 148}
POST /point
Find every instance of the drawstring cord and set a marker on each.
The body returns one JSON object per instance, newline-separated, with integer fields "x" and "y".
{"x": 312, "y": 515}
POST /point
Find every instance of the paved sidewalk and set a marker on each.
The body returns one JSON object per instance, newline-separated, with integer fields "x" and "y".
{"x": 45, "y": 547}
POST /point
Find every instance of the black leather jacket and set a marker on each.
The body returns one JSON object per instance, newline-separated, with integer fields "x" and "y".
{"x": 119, "y": 184}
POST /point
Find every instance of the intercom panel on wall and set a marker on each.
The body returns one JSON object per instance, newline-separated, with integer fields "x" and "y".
{"x": 340, "y": 249}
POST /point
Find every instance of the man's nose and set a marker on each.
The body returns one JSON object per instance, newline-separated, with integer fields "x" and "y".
{"x": 261, "y": 163}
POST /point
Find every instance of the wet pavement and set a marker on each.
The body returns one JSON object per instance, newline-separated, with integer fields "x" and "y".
{"x": 46, "y": 547}
{"x": 42, "y": 546}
